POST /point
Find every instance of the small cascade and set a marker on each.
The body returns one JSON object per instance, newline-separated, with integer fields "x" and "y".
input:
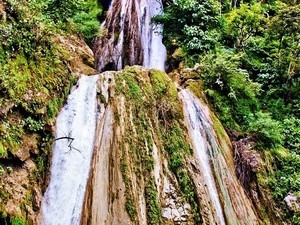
{"x": 223, "y": 199}
{"x": 198, "y": 127}
{"x": 72, "y": 153}
{"x": 129, "y": 37}
{"x": 154, "y": 51}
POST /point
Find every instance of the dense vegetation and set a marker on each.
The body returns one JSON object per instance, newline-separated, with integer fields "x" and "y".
{"x": 35, "y": 71}
{"x": 247, "y": 54}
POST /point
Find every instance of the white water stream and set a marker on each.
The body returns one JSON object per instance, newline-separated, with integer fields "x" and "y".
{"x": 63, "y": 199}
{"x": 154, "y": 51}
{"x": 199, "y": 128}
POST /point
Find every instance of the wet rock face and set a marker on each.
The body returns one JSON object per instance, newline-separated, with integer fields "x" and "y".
{"x": 29, "y": 147}
{"x": 129, "y": 38}
{"x": 248, "y": 167}
{"x": 130, "y": 171}
{"x": 120, "y": 44}
{"x": 247, "y": 161}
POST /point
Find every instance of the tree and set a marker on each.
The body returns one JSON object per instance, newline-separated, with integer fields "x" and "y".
{"x": 243, "y": 23}
{"x": 188, "y": 24}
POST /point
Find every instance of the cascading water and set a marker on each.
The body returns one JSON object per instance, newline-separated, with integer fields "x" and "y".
{"x": 129, "y": 36}
{"x": 154, "y": 51}
{"x": 198, "y": 127}
{"x": 130, "y": 39}
{"x": 63, "y": 199}
{"x": 228, "y": 202}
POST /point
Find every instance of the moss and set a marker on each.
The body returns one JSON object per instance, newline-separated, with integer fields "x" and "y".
{"x": 137, "y": 156}
{"x": 38, "y": 67}
{"x": 196, "y": 87}
{"x": 37, "y": 88}
{"x": 174, "y": 136}
{"x": 11, "y": 135}
{"x": 42, "y": 160}
{"x": 4, "y": 195}
{"x": 153, "y": 207}
{"x": 1, "y": 170}
{"x": 3, "y": 150}
{"x": 102, "y": 99}
{"x": 177, "y": 147}
{"x": 130, "y": 208}
{"x": 53, "y": 107}
{"x": 17, "y": 221}
{"x": 162, "y": 85}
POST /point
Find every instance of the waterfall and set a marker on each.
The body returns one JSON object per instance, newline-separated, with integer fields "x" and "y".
{"x": 154, "y": 51}
{"x": 87, "y": 185}
{"x": 63, "y": 199}
{"x": 199, "y": 128}
{"x": 129, "y": 36}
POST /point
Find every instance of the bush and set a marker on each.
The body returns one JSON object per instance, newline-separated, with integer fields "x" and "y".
{"x": 229, "y": 88}
{"x": 188, "y": 24}
{"x": 17, "y": 221}
{"x": 86, "y": 20}
{"x": 266, "y": 130}
{"x": 287, "y": 177}
{"x": 291, "y": 134}
{"x": 83, "y": 14}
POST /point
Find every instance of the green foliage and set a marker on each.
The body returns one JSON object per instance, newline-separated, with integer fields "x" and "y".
{"x": 242, "y": 23}
{"x": 153, "y": 208}
{"x": 17, "y": 221}
{"x": 130, "y": 208}
{"x": 229, "y": 87}
{"x": 286, "y": 178}
{"x": 84, "y": 15}
{"x": 23, "y": 30}
{"x": 291, "y": 134}
{"x": 266, "y": 130}
{"x": 188, "y": 24}
{"x": 86, "y": 20}
{"x": 248, "y": 59}
{"x": 33, "y": 125}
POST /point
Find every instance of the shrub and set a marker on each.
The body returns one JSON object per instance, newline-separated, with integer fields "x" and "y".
{"x": 266, "y": 130}
{"x": 286, "y": 177}
{"x": 86, "y": 20}
{"x": 291, "y": 134}
{"x": 229, "y": 87}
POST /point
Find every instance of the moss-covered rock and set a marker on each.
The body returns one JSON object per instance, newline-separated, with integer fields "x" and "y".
{"x": 35, "y": 80}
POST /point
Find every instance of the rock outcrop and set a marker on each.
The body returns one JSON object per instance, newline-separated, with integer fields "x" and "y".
{"x": 129, "y": 38}
{"x": 146, "y": 168}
